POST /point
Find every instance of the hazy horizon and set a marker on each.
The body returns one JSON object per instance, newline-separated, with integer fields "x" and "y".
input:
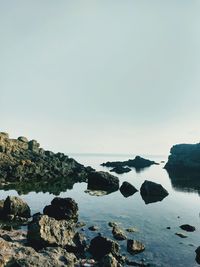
{"x": 101, "y": 76}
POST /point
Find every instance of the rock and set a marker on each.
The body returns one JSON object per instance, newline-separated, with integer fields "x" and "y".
{"x": 168, "y": 227}
{"x": 100, "y": 246}
{"x": 112, "y": 224}
{"x": 80, "y": 224}
{"x": 109, "y": 261}
{"x": 120, "y": 170}
{"x": 93, "y": 228}
{"x": 198, "y": 255}
{"x": 132, "y": 230}
{"x": 97, "y": 193}
{"x": 23, "y": 139}
{"x": 134, "y": 246}
{"x": 181, "y": 235}
{"x": 16, "y": 207}
{"x": 45, "y": 231}
{"x": 152, "y": 192}
{"x": 127, "y": 189}
{"x": 62, "y": 209}
{"x": 184, "y": 158}
{"x": 16, "y": 254}
{"x": 4, "y": 135}
{"x": 102, "y": 181}
{"x": 118, "y": 233}
{"x": 188, "y": 228}
{"x": 137, "y": 163}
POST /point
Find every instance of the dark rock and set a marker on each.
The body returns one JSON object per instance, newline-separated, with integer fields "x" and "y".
{"x": 62, "y": 209}
{"x": 102, "y": 181}
{"x": 152, "y": 192}
{"x": 93, "y": 228}
{"x": 101, "y": 246}
{"x": 137, "y": 163}
{"x": 181, "y": 235}
{"x": 198, "y": 255}
{"x": 80, "y": 224}
{"x": 134, "y": 246}
{"x": 109, "y": 261}
{"x": 44, "y": 231}
{"x": 188, "y": 228}
{"x": 112, "y": 224}
{"x": 120, "y": 170}
{"x": 127, "y": 189}
{"x": 118, "y": 233}
{"x": 184, "y": 157}
{"x": 132, "y": 230}
{"x": 16, "y": 207}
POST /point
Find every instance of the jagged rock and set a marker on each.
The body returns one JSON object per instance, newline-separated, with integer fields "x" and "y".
{"x": 100, "y": 246}
{"x": 102, "y": 181}
{"x": 127, "y": 189}
{"x": 188, "y": 228}
{"x": 134, "y": 246}
{"x": 120, "y": 170}
{"x": 184, "y": 157}
{"x": 118, "y": 233}
{"x": 45, "y": 231}
{"x": 137, "y": 163}
{"x": 109, "y": 261}
{"x": 62, "y": 209}
{"x": 16, "y": 254}
{"x": 152, "y": 192}
{"x": 15, "y": 207}
{"x": 23, "y": 139}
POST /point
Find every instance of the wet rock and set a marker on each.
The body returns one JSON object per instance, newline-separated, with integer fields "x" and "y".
{"x": 118, "y": 233}
{"x": 132, "y": 230}
{"x": 80, "y": 224}
{"x": 93, "y": 228}
{"x": 181, "y": 235}
{"x": 134, "y": 246}
{"x": 152, "y": 192}
{"x": 120, "y": 170}
{"x": 78, "y": 246}
{"x": 188, "y": 228}
{"x": 198, "y": 255}
{"x": 102, "y": 181}
{"x": 100, "y": 246}
{"x": 109, "y": 261}
{"x": 45, "y": 231}
{"x": 168, "y": 227}
{"x": 137, "y": 163}
{"x": 127, "y": 189}
{"x": 15, "y": 207}
{"x": 112, "y": 224}
{"x": 62, "y": 209}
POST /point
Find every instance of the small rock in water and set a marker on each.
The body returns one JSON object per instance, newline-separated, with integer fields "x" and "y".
{"x": 188, "y": 228}
{"x": 80, "y": 224}
{"x": 93, "y": 228}
{"x": 181, "y": 235}
{"x": 112, "y": 224}
{"x": 127, "y": 189}
{"x": 134, "y": 246}
{"x": 132, "y": 230}
{"x": 118, "y": 233}
{"x": 168, "y": 227}
{"x": 198, "y": 255}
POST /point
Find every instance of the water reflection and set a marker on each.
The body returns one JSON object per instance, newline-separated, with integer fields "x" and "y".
{"x": 185, "y": 181}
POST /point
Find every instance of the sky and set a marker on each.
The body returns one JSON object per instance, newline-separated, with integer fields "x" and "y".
{"x": 101, "y": 76}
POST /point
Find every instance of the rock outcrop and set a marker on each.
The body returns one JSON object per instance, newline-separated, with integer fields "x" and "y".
{"x": 62, "y": 209}
{"x": 137, "y": 163}
{"x": 102, "y": 181}
{"x": 184, "y": 157}
{"x": 127, "y": 189}
{"x": 23, "y": 161}
{"x": 152, "y": 192}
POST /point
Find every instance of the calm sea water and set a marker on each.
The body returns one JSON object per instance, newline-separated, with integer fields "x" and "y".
{"x": 163, "y": 247}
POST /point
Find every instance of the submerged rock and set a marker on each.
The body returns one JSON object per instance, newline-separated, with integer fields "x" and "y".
{"x": 101, "y": 246}
{"x": 127, "y": 189}
{"x": 102, "y": 181}
{"x": 118, "y": 233}
{"x": 44, "y": 231}
{"x": 188, "y": 228}
{"x": 62, "y": 209}
{"x": 181, "y": 235}
{"x": 134, "y": 246}
{"x": 120, "y": 170}
{"x": 152, "y": 192}
{"x": 137, "y": 163}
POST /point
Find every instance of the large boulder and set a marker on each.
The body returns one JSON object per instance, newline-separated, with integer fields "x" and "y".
{"x": 102, "y": 181}
{"x": 15, "y": 206}
{"x": 152, "y": 192}
{"x": 127, "y": 189}
{"x": 101, "y": 246}
{"x": 44, "y": 231}
{"x": 62, "y": 209}
{"x": 184, "y": 157}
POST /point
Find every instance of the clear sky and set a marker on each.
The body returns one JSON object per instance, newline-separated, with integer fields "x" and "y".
{"x": 101, "y": 76}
